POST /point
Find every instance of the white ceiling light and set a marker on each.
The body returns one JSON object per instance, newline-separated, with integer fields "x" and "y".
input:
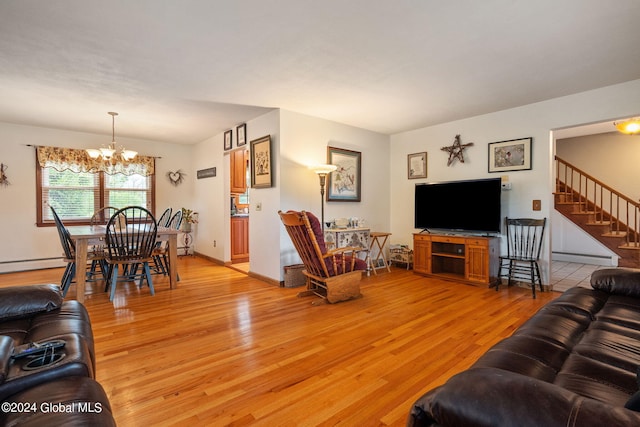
{"x": 629, "y": 126}
{"x": 107, "y": 153}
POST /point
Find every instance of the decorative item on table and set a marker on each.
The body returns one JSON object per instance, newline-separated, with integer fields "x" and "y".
{"x": 341, "y": 222}
{"x": 188, "y": 217}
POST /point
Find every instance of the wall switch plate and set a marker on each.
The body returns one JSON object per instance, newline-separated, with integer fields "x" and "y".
{"x": 537, "y": 205}
{"x": 506, "y": 186}
{"x": 259, "y": 206}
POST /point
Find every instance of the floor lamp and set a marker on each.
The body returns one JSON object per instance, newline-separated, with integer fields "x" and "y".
{"x": 323, "y": 171}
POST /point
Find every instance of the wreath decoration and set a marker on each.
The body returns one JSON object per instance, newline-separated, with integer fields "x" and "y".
{"x": 176, "y": 177}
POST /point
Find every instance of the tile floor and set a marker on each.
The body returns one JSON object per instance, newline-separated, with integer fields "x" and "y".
{"x": 565, "y": 275}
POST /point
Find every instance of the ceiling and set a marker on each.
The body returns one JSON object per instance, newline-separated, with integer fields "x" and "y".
{"x": 183, "y": 71}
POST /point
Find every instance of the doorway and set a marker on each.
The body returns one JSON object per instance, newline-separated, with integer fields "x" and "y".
{"x": 239, "y": 190}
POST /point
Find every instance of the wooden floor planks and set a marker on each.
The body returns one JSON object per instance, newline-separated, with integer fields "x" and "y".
{"x": 227, "y": 349}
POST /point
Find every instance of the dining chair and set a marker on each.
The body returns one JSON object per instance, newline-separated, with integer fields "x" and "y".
{"x": 176, "y": 220}
{"x": 102, "y": 215}
{"x": 524, "y": 244}
{"x": 130, "y": 236}
{"x": 160, "y": 258}
{"x": 165, "y": 218}
{"x": 69, "y": 256}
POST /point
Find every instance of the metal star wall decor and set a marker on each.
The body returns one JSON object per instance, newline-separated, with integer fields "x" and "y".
{"x": 456, "y": 151}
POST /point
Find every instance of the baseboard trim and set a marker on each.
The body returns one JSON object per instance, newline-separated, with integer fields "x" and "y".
{"x": 208, "y": 258}
{"x": 264, "y": 278}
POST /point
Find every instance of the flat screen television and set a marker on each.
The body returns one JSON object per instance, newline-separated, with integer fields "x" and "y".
{"x": 471, "y": 206}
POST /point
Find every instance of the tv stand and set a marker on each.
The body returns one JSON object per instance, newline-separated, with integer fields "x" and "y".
{"x": 467, "y": 259}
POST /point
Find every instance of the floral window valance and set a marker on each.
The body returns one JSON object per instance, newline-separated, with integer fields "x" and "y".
{"x": 75, "y": 160}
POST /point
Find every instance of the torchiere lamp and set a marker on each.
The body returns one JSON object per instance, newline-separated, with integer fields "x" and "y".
{"x": 323, "y": 171}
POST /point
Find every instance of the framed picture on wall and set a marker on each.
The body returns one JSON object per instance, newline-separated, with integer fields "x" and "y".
{"x": 241, "y": 135}
{"x": 417, "y": 165}
{"x": 343, "y": 185}
{"x": 261, "y": 170}
{"x": 511, "y": 155}
{"x": 228, "y": 139}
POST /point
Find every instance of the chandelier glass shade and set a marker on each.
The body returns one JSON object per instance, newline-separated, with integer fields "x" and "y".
{"x": 629, "y": 126}
{"x": 110, "y": 152}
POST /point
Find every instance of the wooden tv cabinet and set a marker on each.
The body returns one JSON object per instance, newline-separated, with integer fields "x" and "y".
{"x": 467, "y": 259}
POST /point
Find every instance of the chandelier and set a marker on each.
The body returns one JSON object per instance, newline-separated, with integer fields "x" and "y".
{"x": 629, "y": 126}
{"x": 109, "y": 152}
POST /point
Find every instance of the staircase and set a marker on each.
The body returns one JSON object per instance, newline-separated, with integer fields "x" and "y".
{"x": 604, "y": 213}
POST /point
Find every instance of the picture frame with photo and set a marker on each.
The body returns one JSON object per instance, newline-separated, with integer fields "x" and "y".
{"x": 417, "y": 165}
{"x": 510, "y": 155}
{"x": 228, "y": 139}
{"x": 344, "y": 184}
{"x": 241, "y": 135}
{"x": 261, "y": 163}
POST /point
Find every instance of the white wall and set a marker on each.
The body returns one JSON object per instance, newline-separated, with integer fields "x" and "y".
{"x": 535, "y": 120}
{"x": 610, "y": 157}
{"x": 303, "y": 144}
{"x": 22, "y": 240}
{"x": 297, "y": 142}
{"x": 212, "y": 200}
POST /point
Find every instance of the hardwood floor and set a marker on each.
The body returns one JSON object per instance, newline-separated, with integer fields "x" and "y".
{"x": 227, "y": 349}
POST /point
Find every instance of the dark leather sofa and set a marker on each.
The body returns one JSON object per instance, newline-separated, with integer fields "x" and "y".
{"x": 574, "y": 363}
{"x": 59, "y": 389}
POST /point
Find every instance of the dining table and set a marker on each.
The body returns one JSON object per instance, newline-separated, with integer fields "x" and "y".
{"x": 84, "y": 236}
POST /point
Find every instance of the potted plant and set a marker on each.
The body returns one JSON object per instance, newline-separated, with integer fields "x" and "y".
{"x": 188, "y": 217}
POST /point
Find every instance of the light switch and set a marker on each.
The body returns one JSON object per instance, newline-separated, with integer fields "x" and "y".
{"x": 537, "y": 205}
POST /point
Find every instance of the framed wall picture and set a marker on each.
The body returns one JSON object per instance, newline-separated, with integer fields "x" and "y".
{"x": 343, "y": 185}
{"x": 511, "y": 155}
{"x": 261, "y": 170}
{"x": 417, "y": 165}
{"x": 241, "y": 135}
{"x": 228, "y": 139}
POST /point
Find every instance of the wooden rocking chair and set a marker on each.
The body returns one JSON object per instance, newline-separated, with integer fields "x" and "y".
{"x": 333, "y": 275}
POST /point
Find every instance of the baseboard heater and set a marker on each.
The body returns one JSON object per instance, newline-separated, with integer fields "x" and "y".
{"x": 605, "y": 260}
{"x": 19, "y": 265}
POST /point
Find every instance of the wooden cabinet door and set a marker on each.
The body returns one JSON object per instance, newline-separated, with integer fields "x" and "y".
{"x": 239, "y": 239}
{"x": 477, "y": 259}
{"x": 238, "y": 171}
{"x": 421, "y": 254}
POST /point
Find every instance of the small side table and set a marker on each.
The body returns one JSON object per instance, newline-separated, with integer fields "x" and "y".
{"x": 379, "y": 239}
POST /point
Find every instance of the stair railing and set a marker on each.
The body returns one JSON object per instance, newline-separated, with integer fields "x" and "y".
{"x": 602, "y": 201}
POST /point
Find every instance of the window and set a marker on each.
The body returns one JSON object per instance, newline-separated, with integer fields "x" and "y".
{"x": 77, "y": 186}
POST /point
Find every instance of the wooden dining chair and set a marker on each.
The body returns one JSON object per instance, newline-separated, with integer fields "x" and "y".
{"x": 130, "y": 236}
{"x": 161, "y": 250}
{"x": 335, "y": 274}
{"x": 524, "y": 243}
{"x": 69, "y": 256}
{"x": 165, "y": 218}
{"x": 102, "y": 215}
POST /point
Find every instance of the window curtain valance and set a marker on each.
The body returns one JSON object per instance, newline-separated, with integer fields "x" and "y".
{"x": 75, "y": 160}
